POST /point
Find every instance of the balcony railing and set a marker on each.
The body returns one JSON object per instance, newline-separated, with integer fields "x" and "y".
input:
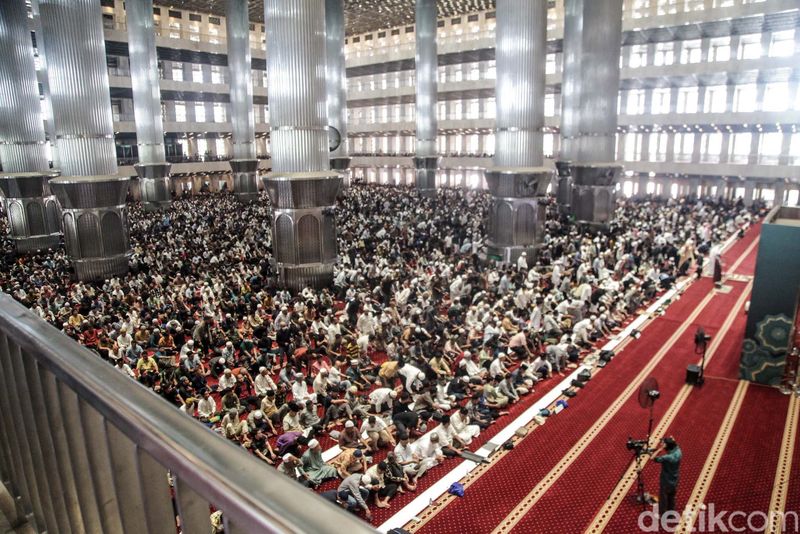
{"x": 87, "y": 449}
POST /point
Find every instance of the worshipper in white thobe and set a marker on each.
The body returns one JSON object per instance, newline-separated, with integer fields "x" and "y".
{"x": 460, "y": 422}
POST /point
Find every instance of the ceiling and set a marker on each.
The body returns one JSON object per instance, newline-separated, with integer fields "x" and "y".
{"x": 361, "y": 16}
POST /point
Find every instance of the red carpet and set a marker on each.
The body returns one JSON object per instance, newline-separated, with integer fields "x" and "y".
{"x": 598, "y": 469}
{"x": 747, "y": 468}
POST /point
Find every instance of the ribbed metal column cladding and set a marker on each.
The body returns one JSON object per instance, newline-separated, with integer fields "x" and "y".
{"x": 244, "y": 164}
{"x": 33, "y": 213}
{"x": 22, "y": 136}
{"x": 336, "y": 82}
{"x": 520, "y": 53}
{"x": 92, "y": 197}
{"x": 427, "y": 69}
{"x": 297, "y": 97}
{"x": 47, "y": 103}
{"x": 72, "y": 36}
{"x": 590, "y": 88}
{"x": 518, "y": 183}
{"x": 302, "y": 188}
{"x": 153, "y": 170}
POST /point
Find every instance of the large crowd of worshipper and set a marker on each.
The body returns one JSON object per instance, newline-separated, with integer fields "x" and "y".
{"x": 419, "y": 345}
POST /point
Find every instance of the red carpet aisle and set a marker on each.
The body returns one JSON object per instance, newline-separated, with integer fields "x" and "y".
{"x": 597, "y": 471}
{"x": 503, "y": 485}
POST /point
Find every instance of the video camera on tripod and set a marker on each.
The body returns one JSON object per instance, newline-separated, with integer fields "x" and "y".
{"x": 638, "y": 446}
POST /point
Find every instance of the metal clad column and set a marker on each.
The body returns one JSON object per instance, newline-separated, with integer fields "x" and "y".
{"x": 244, "y": 164}
{"x": 302, "y": 188}
{"x": 153, "y": 170}
{"x": 427, "y": 68}
{"x": 92, "y": 197}
{"x": 592, "y": 41}
{"x": 31, "y": 208}
{"x": 518, "y": 182}
{"x": 336, "y": 79}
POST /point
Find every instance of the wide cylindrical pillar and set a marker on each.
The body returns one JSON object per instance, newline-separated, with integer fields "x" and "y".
{"x": 152, "y": 169}
{"x": 302, "y": 188}
{"x": 97, "y": 233}
{"x": 22, "y": 139}
{"x": 336, "y": 81}
{"x": 244, "y": 164}
{"x": 517, "y": 182}
{"x": 427, "y": 66}
{"x": 590, "y": 88}
{"x": 34, "y": 219}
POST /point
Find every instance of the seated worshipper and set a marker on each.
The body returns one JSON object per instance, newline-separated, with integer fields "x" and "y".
{"x": 270, "y": 410}
{"x": 376, "y": 433}
{"x": 315, "y": 468}
{"x": 460, "y": 422}
{"x": 475, "y": 372}
{"x": 353, "y": 492}
{"x": 232, "y": 426}
{"x": 147, "y": 369}
{"x": 398, "y": 473}
{"x": 404, "y": 418}
{"x": 381, "y": 399}
{"x": 350, "y": 461}
{"x": 350, "y": 437}
{"x": 264, "y": 382}
{"x": 458, "y": 388}
{"x": 290, "y": 442}
{"x": 291, "y": 421}
{"x": 506, "y": 388}
{"x": 300, "y": 391}
{"x": 429, "y": 452}
{"x": 406, "y": 456}
{"x": 310, "y": 419}
{"x": 207, "y": 408}
{"x": 356, "y": 404}
{"x": 230, "y": 401}
{"x": 259, "y": 446}
{"x": 491, "y": 394}
{"x": 337, "y": 410}
{"x": 388, "y": 482}
{"x": 124, "y": 368}
{"x": 257, "y": 421}
{"x": 449, "y": 441}
{"x": 291, "y": 467}
{"x": 227, "y": 380}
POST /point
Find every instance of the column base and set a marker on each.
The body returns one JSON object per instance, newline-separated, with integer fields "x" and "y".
{"x": 510, "y": 254}
{"x": 96, "y": 269}
{"x": 594, "y": 194}
{"x": 298, "y": 277}
{"x": 564, "y": 185}
{"x": 154, "y": 184}
{"x": 27, "y": 245}
{"x": 426, "y": 174}
{"x": 342, "y": 165}
{"x": 245, "y": 179}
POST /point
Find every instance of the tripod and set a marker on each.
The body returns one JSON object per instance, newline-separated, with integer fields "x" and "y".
{"x": 641, "y": 496}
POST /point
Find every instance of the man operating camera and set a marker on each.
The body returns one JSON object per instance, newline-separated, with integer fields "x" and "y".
{"x": 670, "y": 462}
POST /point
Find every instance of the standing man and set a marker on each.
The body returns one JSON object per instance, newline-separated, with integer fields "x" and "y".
{"x": 670, "y": 467}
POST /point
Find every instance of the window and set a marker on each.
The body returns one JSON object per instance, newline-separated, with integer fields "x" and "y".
{"x": 157, "y": 11}
{"x": 750, "y": 46}
{"x": 740, "y": 147}
{"x": 715, "y": 99}
{"x": 549, "y": 105}
{"x": 633, "y": 147}
{"x": 197, "y": 73}
{"x": 175, "y": 14}
{"x": 194, "y": 17}
{"x": 547, "y": 145}
{"x": 665, "y": 54}
{"x": 776, "y": 96}
{"x": 687, "y": 100}
{"x": 219, "y": 145}
{"x": 199, "y": 112}
{"x": 635, "y": 104}
{"x": 684, "y": 146}
{"x": 219, "y": 112}
{"x": 177, "y": 72}
{"x": 720, "y": 49}
{"x": 180, "y": 111}
{"x": 202, "y": 147}
{"x": 638, "y": 56}
{"x": 710, "y": 147}
{"x": 782, "y": 44}
{"x": 550, "y": 64}
{"x": 214, "y": 20}
{"x": 216, "y": 74}
{"x": 660, "y": 102}
{"x": 690, "y": 53}
{"x": 657, "y": 146}
{"x": 769, "y": 147}
{"x": 744, "y": 98}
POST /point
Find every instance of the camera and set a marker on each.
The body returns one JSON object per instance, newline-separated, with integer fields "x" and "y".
{"x": 654, "y": 394}
{"x": 637, "y": 445}
{"x": 700, "y": 337}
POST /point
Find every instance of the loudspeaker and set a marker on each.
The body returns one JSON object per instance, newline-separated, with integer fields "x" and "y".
{"x": 693, "y": 375}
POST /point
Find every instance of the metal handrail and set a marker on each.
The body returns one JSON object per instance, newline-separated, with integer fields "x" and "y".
{"x": 37, "y": 362}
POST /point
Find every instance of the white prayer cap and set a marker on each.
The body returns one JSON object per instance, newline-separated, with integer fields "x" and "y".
{"x": 258, "y": 414}
{"x": 366, "y": 480}
{"x": 262, "y": 369}
{"x": 393, "y": 394}
{"x": 313, "y": 444}
{"x": 287, "y": 457}
{"x": 349, "y": 424}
